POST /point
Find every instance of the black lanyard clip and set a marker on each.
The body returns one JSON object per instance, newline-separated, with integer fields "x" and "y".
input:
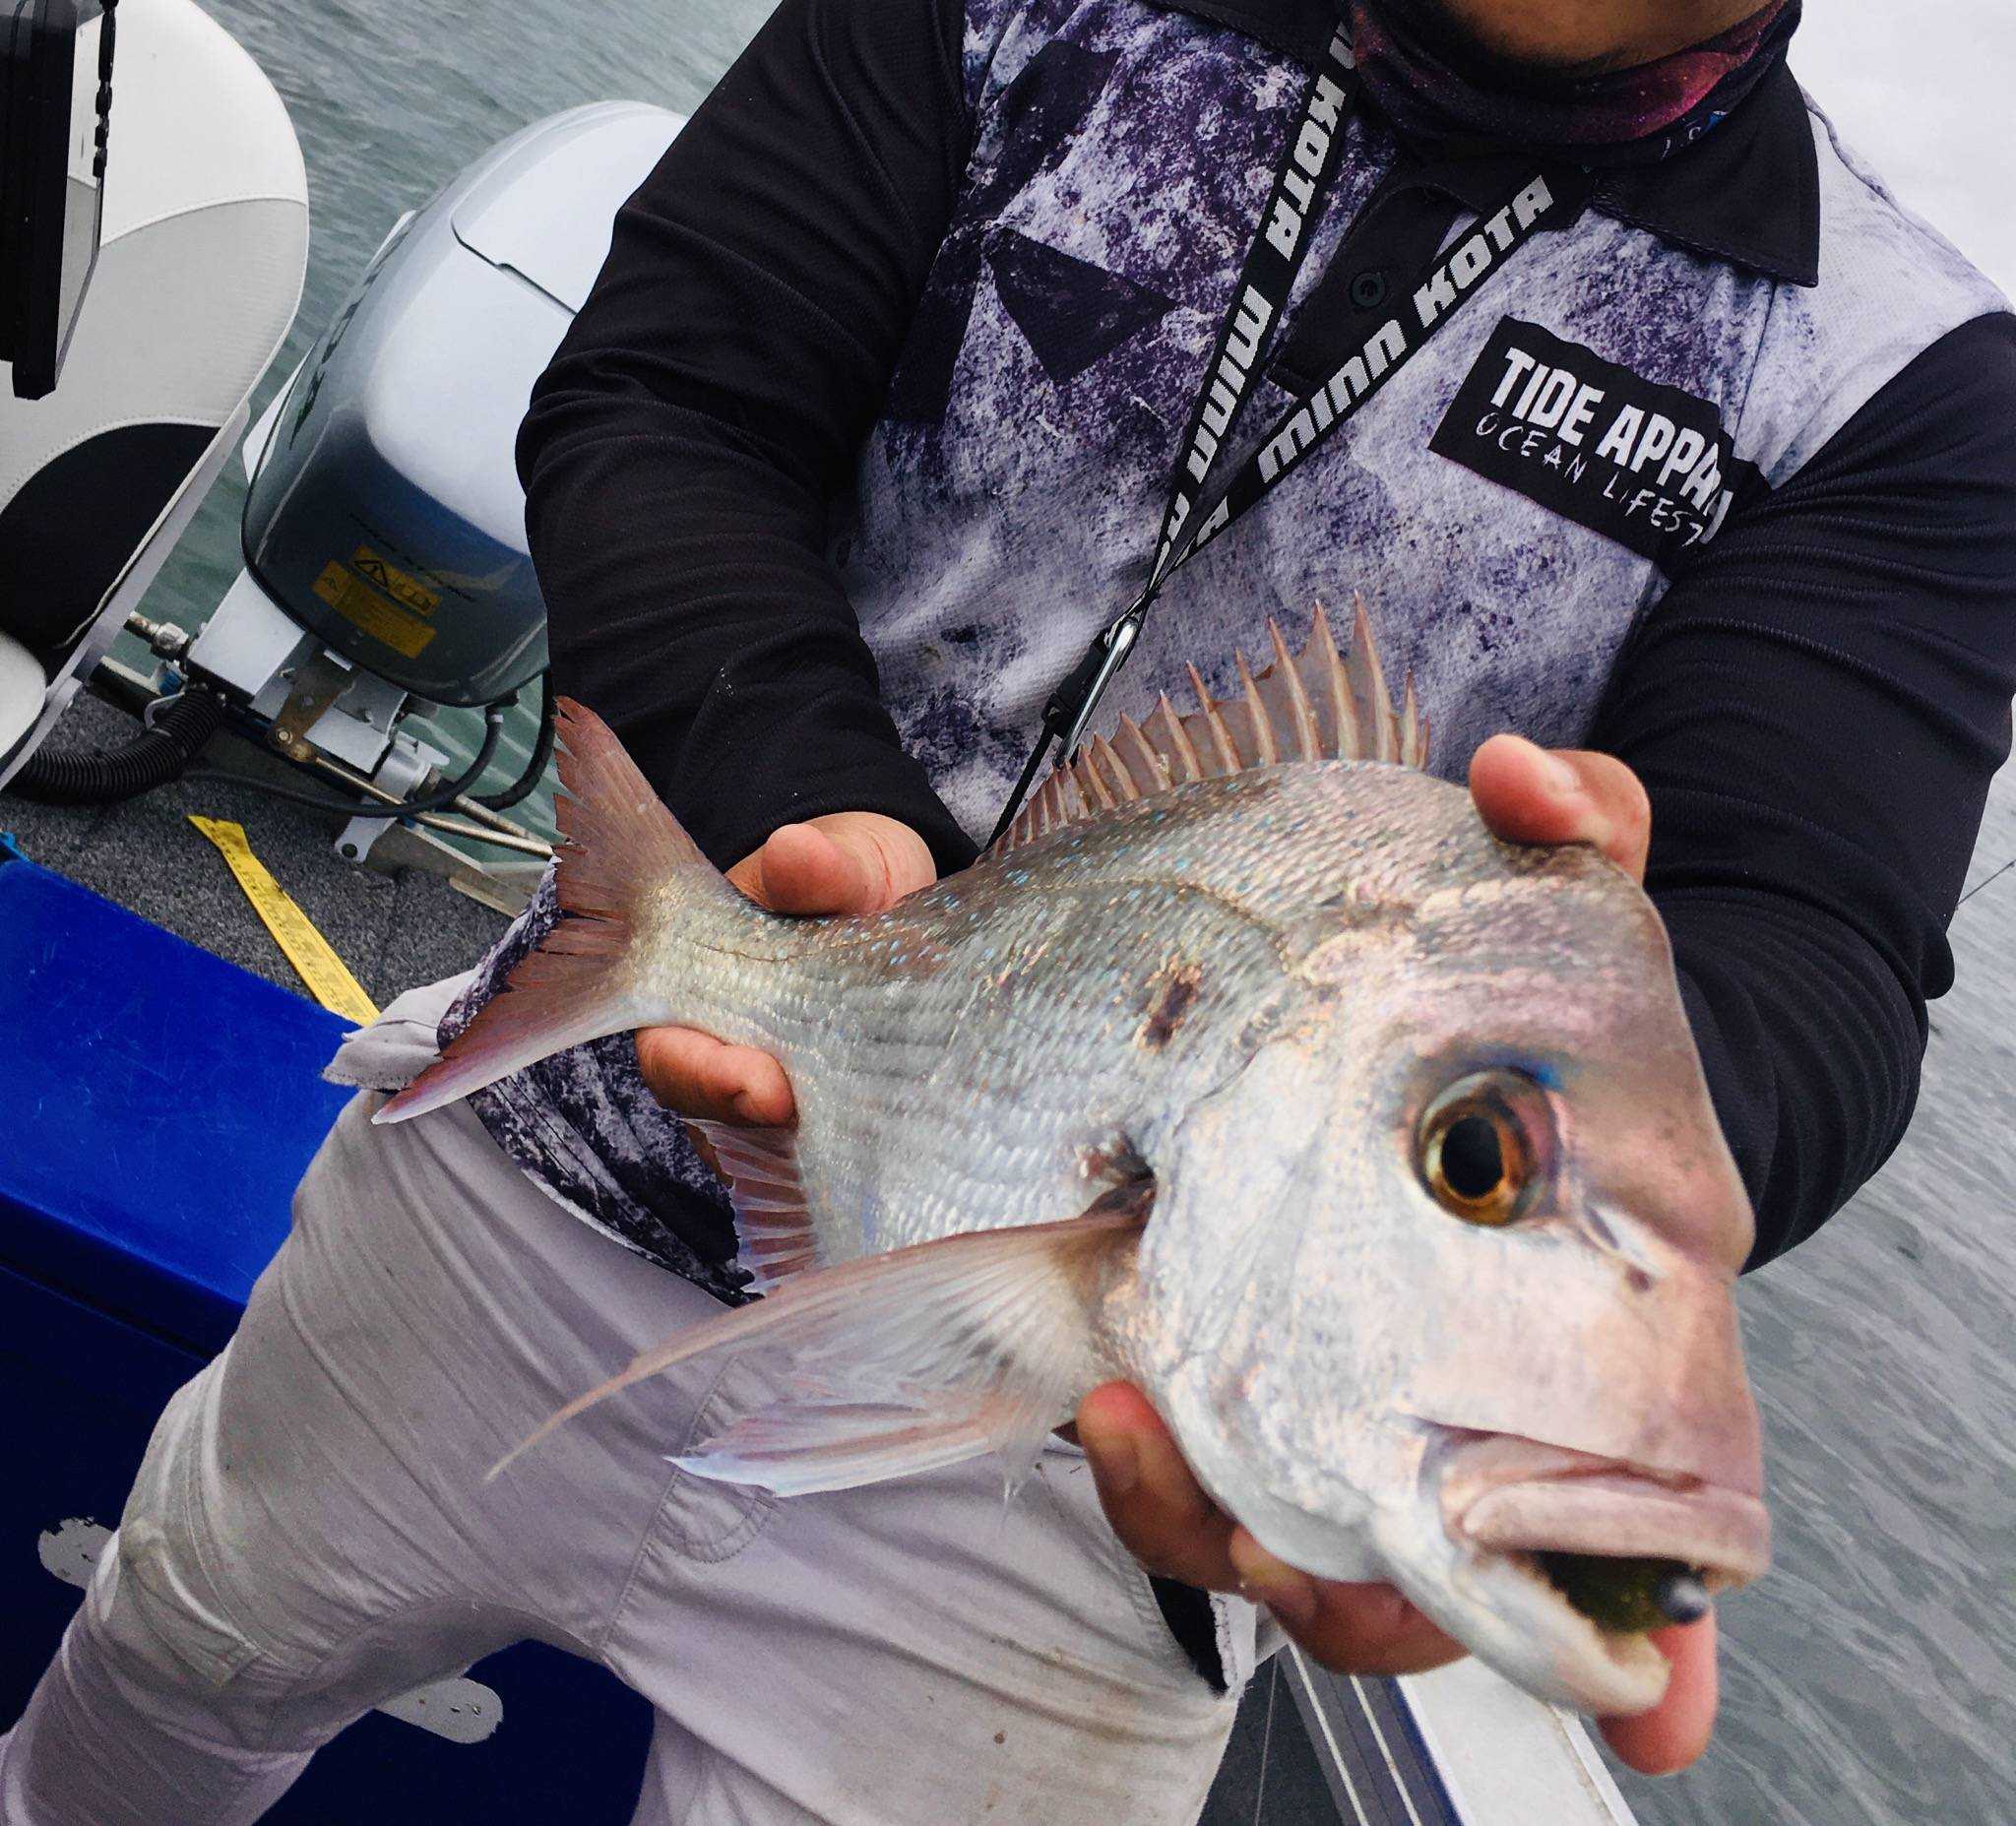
{"x": 1075, "y": 700}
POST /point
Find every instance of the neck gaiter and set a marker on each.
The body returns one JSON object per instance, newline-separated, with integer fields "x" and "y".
{"x": 1436, "y": 91}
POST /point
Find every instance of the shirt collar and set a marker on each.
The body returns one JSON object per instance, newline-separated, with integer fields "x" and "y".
{"x": 1747, "y": 194}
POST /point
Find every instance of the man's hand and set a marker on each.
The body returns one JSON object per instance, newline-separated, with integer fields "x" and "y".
{"x": 1162, "y": 1514}
{"x": 1173, "y": 1528}
{"x": 846, "y": 862}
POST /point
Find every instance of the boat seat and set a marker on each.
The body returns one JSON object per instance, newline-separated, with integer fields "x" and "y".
{"x": 203, "y": 252}
{"x": 179, "y": 1101}
{"x": 22, "y": 685}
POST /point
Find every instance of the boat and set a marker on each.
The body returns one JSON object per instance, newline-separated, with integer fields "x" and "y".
{"x": 382, "y": 655}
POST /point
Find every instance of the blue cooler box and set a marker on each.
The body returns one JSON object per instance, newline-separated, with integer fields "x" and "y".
{"x": 156, "y": 1107}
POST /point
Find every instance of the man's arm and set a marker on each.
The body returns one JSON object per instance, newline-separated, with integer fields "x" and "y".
{"x": 1816, "y": 709}
{"x": 684, "y": 448}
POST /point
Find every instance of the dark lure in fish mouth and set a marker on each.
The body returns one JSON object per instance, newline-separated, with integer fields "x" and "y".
{"x": 1628, "y": 1595}
{"x": 1626, "y": 1548}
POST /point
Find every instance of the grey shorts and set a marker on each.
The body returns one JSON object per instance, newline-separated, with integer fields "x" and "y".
{"x": 311, "y": 1534}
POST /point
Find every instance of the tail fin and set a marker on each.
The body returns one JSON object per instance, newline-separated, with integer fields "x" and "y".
{"x": 619, "y": 848}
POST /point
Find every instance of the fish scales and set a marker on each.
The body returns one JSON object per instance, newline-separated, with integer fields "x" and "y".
{"x": 988, "y": 1102}
{"x": 1032, "y": 965}
{"x": 1374, "y": 1150}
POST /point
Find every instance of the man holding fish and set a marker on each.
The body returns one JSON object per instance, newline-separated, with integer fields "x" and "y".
{"x": 1352, "y": 1173}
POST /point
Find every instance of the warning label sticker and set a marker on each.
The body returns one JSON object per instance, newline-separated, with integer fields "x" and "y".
{"x": 404, "y": 589}
{"x": 386, "y": 602}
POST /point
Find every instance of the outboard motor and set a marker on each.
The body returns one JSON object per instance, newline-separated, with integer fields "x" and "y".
{"x": 387, "y": 579}
{"x": 386, "y": 570}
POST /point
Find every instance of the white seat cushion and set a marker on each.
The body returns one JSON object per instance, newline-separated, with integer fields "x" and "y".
{"x": 21, "y": 690}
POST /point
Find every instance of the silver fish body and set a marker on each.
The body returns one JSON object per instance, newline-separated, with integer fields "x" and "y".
{"x": 1202, "y": 1090}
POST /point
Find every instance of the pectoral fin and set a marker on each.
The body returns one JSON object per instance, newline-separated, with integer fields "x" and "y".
{"x": 773, "y": 1222}
{"x": 912, "y": 1360}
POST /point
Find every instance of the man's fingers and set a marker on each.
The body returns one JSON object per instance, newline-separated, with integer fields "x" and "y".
{"x": 1674, "y": 1733}
{"x": 697, "y": 1075}
{"x": 1156, "y": 1507}
{"x": 1165, "y": 1520}
{"x": 1349, "y": 1628}
{"x": 1529, "y": 794}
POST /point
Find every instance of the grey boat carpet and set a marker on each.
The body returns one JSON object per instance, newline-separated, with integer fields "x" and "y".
{"x": 392, "y": 930}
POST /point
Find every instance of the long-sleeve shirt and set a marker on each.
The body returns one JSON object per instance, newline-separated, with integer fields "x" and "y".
{"x": 870, "y": 421}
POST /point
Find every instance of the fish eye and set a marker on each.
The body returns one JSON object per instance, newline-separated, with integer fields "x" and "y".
{"x": 1481, "y": 1147}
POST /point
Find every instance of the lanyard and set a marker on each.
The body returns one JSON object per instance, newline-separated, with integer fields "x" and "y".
{"x": 1540, "y": 203}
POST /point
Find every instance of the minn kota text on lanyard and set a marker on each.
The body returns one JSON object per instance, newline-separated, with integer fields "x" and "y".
{"x": 1262, "y": 294}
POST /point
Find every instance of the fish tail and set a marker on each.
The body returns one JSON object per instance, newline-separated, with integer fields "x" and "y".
{"x": 623, "y": 853}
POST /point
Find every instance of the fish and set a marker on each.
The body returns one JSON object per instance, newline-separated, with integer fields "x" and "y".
{"x": 1250, "y": 1068}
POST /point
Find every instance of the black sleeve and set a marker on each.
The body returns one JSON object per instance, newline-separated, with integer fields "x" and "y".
{"x": 1816, "y": 708}
{"x": 684, "y": 447}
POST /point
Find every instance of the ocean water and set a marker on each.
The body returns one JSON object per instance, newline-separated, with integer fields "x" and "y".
{"x": 1871, "y": 1680}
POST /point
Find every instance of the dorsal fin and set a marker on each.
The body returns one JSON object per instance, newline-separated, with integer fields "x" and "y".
{"x": 1320, "y": 705}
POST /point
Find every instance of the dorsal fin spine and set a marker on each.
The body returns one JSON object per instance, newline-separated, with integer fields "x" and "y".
{"x": 1126, "y": 788}
{"x": 1316, "y": 706}
{"x": 1266, "y": 746}
{"x": 1221, "y": 737}
{"x": 1347, "y": 737}
{"x": 1149, "y": 766}
{"x": 1307, "y": 737}
{"x": 1090, "y": 784}
{"x": 1178, "y": 738}
{"x": 1052, "y": 801}
{"x": 1366, "y": 648}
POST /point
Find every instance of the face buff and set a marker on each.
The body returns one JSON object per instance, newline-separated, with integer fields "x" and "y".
{"x": 1436, "y": 90}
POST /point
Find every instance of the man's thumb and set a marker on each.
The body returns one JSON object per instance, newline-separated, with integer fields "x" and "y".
{"x": 846, "y": 862}
{"x": 807, "y": 870}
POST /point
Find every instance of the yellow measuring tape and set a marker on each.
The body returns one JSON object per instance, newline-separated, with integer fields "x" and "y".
{"x": 307, "y": 950}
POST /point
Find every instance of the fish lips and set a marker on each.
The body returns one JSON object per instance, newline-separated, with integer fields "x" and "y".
{"x": 1506, "y": 1494}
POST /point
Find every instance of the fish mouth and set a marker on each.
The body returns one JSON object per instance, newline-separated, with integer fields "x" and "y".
{"x": 1619, "y": 1546}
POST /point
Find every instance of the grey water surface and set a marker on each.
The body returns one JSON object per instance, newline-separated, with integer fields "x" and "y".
{"x": 1872, "y": 1676}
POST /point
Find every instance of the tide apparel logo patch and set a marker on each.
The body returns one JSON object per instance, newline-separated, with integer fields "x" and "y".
{"x": 1648, "y": 465}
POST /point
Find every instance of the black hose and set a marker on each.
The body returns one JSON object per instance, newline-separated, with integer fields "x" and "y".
{"x": 153, "y": 758}
{"x": 542, "y": 754}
